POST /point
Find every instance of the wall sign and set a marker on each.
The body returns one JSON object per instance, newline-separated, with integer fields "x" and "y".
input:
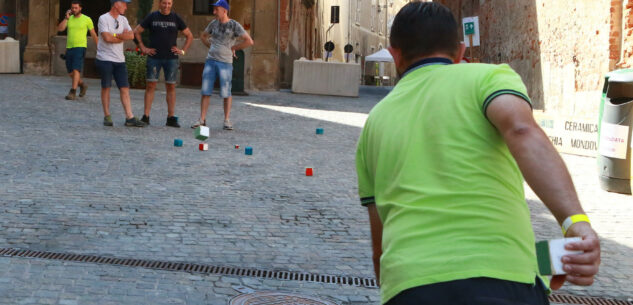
{"x": 572, "y": 135}
{"x": 471, "y": 28}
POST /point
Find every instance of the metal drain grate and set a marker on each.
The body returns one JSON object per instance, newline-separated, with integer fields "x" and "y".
{"x": 195, "y": 268}
{"x": 276, "y": 298}
{"x": 582, "y": 300}
{"x": 256, "y": 273}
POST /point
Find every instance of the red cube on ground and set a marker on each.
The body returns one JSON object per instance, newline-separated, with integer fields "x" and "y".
{"x": 309, "y": 171}
{"x": 203, "y": 146}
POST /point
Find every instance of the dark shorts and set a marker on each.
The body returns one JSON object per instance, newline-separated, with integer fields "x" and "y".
{"x": 109, "y": 70}
{"x": 75, "y": 59}
{"x": 169, "y": 66}
{"x": 474, "y": 291}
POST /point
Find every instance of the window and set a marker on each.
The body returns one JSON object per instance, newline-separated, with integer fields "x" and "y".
{"x": 203, "y": 7}
{"x": 359, "y": 4}
{"x": 373, "y": 15}
{"x": 382, "y": 13}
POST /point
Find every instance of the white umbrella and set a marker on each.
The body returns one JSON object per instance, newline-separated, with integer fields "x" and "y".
{"x": 381, "y": 56}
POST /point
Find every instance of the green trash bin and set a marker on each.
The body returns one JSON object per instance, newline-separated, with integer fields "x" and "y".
{"x": 614, "y": 148}
{"x": 604, "y": 95}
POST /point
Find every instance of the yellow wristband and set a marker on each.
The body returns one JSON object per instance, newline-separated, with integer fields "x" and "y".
{"x": 572, "y": 220}
{"x": 114, "y": 35}
{"x": 183, "y": 52}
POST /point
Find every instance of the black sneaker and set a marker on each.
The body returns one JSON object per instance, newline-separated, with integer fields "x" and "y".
{"x": 172, "y": 121}
{"x": 107, "y": 121}
{"x": 145, "y": 119}
{"x": 134, "y": 122}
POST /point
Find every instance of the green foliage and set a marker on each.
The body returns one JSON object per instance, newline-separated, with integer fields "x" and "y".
{"x": 136, "y": 68}
{"x": 144, "y": 8}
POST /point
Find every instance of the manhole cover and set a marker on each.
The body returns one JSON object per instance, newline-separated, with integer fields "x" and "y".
{"x": 276, "y": 298}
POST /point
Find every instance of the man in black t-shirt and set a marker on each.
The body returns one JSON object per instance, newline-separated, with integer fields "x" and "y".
{"x": 163, "y": 52}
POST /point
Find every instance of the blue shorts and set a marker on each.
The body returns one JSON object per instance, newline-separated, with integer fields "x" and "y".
{"x": 169, "y": 66}
{"x": 215, "y": 69}
{"x": 75, "y": 59}
{"x": 109, "y": 70}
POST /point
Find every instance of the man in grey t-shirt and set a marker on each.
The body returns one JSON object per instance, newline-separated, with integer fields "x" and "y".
{"x": 223, "y": 36}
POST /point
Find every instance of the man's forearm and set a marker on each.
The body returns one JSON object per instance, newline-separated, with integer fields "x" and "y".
{"x": 109, "y": 38}
{"x": 139, "y": 39}
{"x": 242, "y": 45}
{"x": 544, "y": 170}
{"x": 62, "y": 25}
{"x": 206, "y": 42}
{"x": 128, "y": 35}
{"x": 187, "y": 43}
{"x": 376, "y": 237}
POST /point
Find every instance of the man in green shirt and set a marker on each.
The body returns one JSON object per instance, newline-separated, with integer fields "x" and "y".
{"x": 440, "y": 166}
{"x": 76, "y": 43}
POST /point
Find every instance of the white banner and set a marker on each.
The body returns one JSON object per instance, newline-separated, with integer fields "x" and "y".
{"x": 613, "y": 140}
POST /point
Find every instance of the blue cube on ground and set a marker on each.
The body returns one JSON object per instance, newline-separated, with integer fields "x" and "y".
{"x": 178, "y": 142}
{"x": 319, "y": 131}
{"x": 248, "y": 150}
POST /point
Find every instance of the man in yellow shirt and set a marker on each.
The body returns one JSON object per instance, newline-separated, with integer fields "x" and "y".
{"x": 76, "y": 43}
{"x": 441, "y": 162}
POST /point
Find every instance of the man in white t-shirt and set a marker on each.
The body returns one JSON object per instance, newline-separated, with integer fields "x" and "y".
{"x": 114, "y": 29}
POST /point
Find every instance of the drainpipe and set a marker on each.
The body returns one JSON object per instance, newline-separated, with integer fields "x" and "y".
{"x": 349, "y": 19}
{"x": 278, "y": 82}
{"x": 617, "y": 16}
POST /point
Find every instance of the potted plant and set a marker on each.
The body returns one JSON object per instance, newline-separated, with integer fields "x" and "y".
{"x": 136, "y": 63}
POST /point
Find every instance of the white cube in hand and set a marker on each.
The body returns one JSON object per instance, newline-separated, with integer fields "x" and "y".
{"x": 550, "y": 253}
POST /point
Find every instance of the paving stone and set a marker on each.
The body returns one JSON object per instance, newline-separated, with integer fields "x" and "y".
{"x": 126, "y": 192}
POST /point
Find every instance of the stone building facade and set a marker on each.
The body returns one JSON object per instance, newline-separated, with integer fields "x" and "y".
{"x": 260, "y": 18}
{"x": 305, "y": 27}
{"x": 283, "y": 31}
{"x": 562, "y": 49}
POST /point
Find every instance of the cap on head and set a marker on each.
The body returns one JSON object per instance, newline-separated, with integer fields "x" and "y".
{"x": 222, "y": 3}
{"x": 112, "y": 2}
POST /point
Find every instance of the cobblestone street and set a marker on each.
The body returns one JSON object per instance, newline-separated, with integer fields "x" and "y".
{"x": 70, "y": 185}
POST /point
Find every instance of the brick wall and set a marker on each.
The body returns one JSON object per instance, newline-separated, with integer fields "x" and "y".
{"x": 627, "y": 43}
{"x": 560, "y": 48}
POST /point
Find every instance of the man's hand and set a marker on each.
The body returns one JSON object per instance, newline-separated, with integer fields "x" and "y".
{"x": 176, "y": 51}
{"x": 148, "y": 51}
{"x": 68, "y": 12}
{"x": 581, "y": 268}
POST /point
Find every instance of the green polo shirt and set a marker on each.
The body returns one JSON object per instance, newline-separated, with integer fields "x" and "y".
{"x": 447, "y": 190}
{"x": 77, "y": 30}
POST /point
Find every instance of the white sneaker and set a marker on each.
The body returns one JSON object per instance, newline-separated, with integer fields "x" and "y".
{"x": 228, "y": 125}
{"x": 199, "y": 123}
